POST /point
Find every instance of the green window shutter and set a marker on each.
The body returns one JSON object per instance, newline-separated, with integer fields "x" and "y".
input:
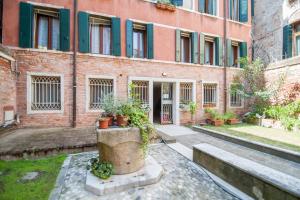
{"x": 202, "y": 48}
{"x": 201, "y": 6}
{"x": 150, "y": 41}
{"x": 212, "y": 6}
{"x": 177, "y": 2}
{"x": 219, "y": 51}
{"x": 287, "y": 42}
{"x": 116, "y": 36}
{"x": 25, "y": 25}
{"x": 252, "y": 8}
{"x": 195, "y": 51}
{"x": 129, "y": 38}
{"x": 243, "y": 51}
{"x": 178, "y": 46}
{"x": 229, "y": 53}
{"x": 243, "y": 6}
{"x": 230, "y": 8}
{"x": 83, "y": 32}
{"x": 64, "y": 20}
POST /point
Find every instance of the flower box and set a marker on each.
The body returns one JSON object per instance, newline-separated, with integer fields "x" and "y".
{"x": 217, "y": 122}
{"x": 164, "y": 6}
{"x": 232, "y": 121}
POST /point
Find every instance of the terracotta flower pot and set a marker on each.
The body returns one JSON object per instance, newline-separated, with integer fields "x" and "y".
{"x": 232, "y": 121}
{"x": 218, "y": 122}
{"x": 122, "y": 120}
{"x": 110, "y": 121}
{"x": 103, "y": 123}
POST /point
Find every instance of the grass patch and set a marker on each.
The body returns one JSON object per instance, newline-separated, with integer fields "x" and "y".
{"x": 265, "y": 135}
{"x": 11, "y": 188}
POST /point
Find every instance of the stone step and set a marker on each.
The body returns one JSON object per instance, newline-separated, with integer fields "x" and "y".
{"x": 256, "y": 180}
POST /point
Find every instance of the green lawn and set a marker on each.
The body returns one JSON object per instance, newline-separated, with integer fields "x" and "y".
{"x": 275, "y": 137}
{"x": 11, "y": 188}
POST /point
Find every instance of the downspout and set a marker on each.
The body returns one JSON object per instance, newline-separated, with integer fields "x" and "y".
{"x": 225, "y": 55}
{"x": 74, "y": 62}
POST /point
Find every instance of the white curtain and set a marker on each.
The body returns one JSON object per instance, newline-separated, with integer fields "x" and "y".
{"x": 298, "y": 45}
{"x": 135, "y": 44}
{"x": 182, "y": 50}
{"x": 43, "y": 32}
{"x": 95, "y": 39}
{"x": 235, "y": 13}
{"x": 106, "y": 40}
{"x": 207, "y": 52}
{"x": 188, "y": 4}
{"x": 141, "y": 39}
{"x": 55, "y": 33}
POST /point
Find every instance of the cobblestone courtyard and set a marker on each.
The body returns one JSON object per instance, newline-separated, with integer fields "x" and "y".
{"x": 181, "y": 180}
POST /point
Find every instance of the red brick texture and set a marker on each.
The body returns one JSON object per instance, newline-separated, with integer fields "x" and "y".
{"x": 7, "y": 88}
{"x": 120, "y": 68}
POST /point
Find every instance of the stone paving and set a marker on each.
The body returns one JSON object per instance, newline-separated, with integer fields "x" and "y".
{"x": 182, "y": 179}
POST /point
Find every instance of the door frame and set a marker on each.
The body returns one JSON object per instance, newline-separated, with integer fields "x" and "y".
{"x": 176, "y": 94}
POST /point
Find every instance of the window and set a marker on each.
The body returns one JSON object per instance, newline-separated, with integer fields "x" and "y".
{"x": 185, "y": 47}
{"x": 208, "y": 6}
{"x": 45, "y": 93}
{"x": 99, "y": 90}
{"x": 139, "y": 41}
{"x": 188, "y": 4}
{"x": 209, "y": 51}
{"x": 235, "y": 54}
{"x": 46, "y": 28}
{"x": 235, "y": 99}
{"x": 234, "y": 10}
{"x": 1, "y": 19}
{"x": 141, "y": 91}
{"x": 185, "y": 93}
{"x": 209, "y": 95}
{"x": 297, "y": 39}
{"x": 100, "y": 35}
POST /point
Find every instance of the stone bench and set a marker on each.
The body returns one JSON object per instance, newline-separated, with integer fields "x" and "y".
{"x": 256, "y": 180}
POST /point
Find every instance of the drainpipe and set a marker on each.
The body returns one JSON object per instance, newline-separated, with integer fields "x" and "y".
{"x": 74, "y": 62}
{"x": 225, "y": 55}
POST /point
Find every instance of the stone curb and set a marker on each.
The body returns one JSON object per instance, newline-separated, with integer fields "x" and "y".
{"x": 275, "y": 151}
{"x": 55, "y": 193}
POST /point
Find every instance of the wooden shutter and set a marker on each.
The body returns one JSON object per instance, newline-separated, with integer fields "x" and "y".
{"x": 116, "y": 36}
{"x": 212, "y": 7}
{"x": 64, "y": 20}
{"x": 202, "y": 48}
{"x": 243, "y": 6}
{"x": 287, "y": 41}
{"x": 83, "y": 32}
{"x": 195, "y": 51}
{"x": 230, "y": 8}
{"x": 177, "y": 2}
{"x": 201, "y": 6}
{"x": 252, "y": 8}
{"x": 150, "y": 41}
{"x": 243, "y": 51}
{"x": 229, "y": 52}
{"x": 219, "y": 51}
{"x": 178, "y": 45}
{"x": 25, "y": 25}
{"x": 129, "y": 38}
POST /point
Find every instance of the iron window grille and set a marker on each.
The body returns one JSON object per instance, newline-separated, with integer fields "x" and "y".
{"x": 45, "y": 93}
{"x": 99, "y": 89}
{"x": 185, "y": 93}
{"x": 209, "y": 95}
{"x": 140, "y": 91}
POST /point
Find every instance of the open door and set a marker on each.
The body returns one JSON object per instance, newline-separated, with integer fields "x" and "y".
{"x": 166, "y": 103}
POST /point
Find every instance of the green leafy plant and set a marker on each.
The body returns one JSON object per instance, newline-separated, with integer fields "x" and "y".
{"x": 109, "y": 105}
{"x": 229, "y": 115}
{"x": 101, "y": 169}
{"x": 192, "y": 109}
{"x": 167, "y": 2}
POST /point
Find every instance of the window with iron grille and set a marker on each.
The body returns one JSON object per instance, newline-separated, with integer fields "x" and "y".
{"x": 185, "y": 93}
{"x": 45, "y": 93}
{"x": 140, "y": 91}
{"x": 235, "y": 99}
{"x": 209, "y": 95}
{"x": 99, "y": 89}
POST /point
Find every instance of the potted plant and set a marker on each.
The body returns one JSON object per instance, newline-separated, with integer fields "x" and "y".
{"x": 103, "y": 122}
{"x": 110, "y": 108}
{"x": 192, "y": 109}
{"x": 165, "y": 5}
{"x": 208, "y": 115}
{"x": 122, "y": 114}
{"x": 217, "y": 120}
{"x": 231, "y": 118}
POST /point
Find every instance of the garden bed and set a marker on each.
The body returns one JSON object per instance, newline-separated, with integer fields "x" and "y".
{"x": 278, "y": 138}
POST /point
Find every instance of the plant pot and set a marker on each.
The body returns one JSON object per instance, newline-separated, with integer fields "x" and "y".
{"x": 103, "y": 123}
{"x": 232, "y": 121}
{"x": 110, "y": 121}
{"x": 171, "y": 8}
{"x": 122, "y": 120}
{"x": 208, "y": 121}
{"x": 218, "y": 122}
{"x": 165, "y": 7}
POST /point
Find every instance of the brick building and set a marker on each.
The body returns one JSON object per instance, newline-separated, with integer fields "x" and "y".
{"x": 87, "y": 49}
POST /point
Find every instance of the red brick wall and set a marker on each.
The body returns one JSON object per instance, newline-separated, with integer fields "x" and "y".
{"x": 120, "y": 68}
{"x": 7, "y": 88}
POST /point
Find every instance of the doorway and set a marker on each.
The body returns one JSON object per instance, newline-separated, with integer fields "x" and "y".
{"x": 163, "y": 103}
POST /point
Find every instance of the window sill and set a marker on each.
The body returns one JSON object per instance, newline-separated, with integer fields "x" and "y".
{"x": 31, "y": 112}
{"x": 239, "y": 23}
{"x": 41, "y": 50}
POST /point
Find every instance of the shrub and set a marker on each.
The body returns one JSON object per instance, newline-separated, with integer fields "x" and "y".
{"x": 229, "y": 115}
{"x": 100, "y": 169}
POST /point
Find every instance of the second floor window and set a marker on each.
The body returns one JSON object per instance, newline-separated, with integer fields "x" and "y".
{"x": 208, "y": 6}
{"x": 100, "y": 36}
{"x": 188, "y": 4}
{"x": 139, "y": 41}
{"x": 185, "y": 47}
{"x": 209, "y": 51}
{"x": 297, "y": 39}
{"x": 46, "y": 34}
{"x": 234, "y": 10}
{"x": 234, "y": 55}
